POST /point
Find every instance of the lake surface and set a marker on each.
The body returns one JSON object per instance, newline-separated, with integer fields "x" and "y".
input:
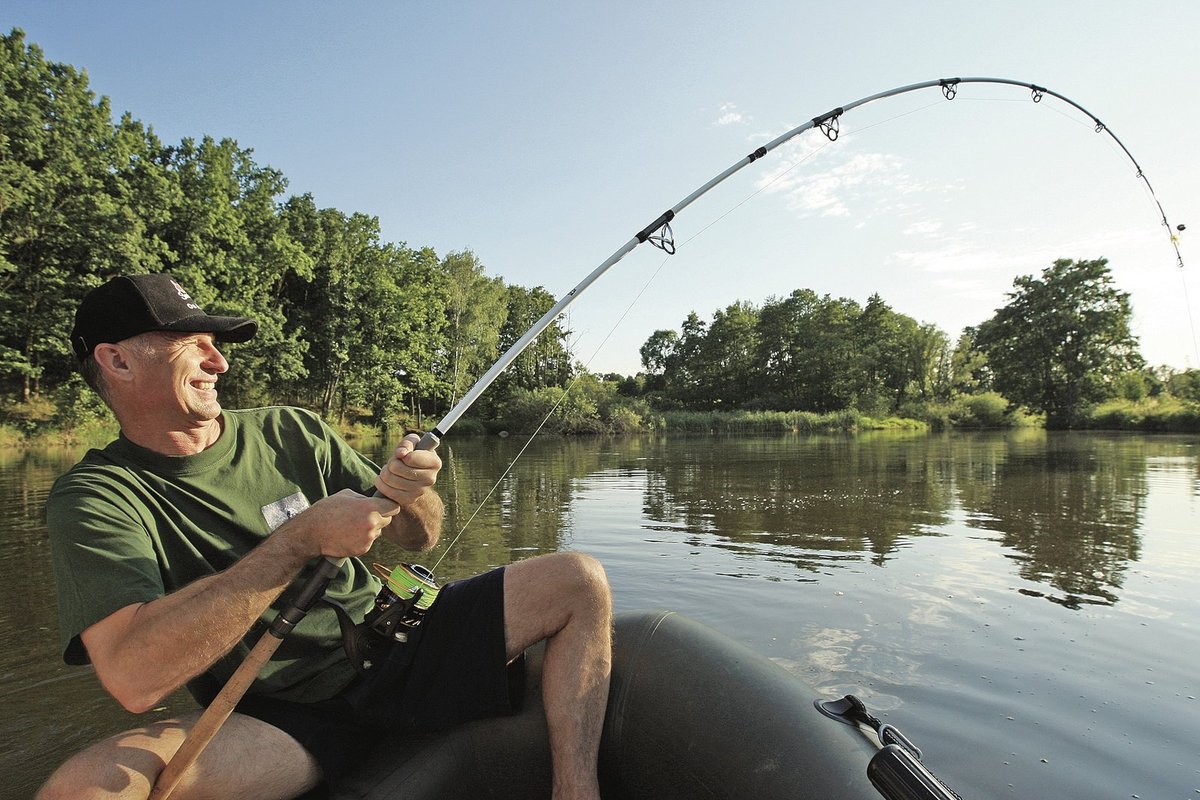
{"x": 1024, "y": 605}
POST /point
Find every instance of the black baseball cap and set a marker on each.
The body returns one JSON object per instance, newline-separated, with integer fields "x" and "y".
{"x": 132, "y": 304}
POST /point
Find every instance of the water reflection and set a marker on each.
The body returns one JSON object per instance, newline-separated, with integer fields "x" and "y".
{"x": 808, "y": 501}
{"x": 1066, "y": 509}
{"x": 930, "y": 536}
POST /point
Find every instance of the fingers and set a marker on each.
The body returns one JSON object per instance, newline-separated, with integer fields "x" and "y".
{"x": 407, "y": 445}
{"x": 343, "y": 524}
{"x": 384, "y": 507}
{"x": 409, "y": 473}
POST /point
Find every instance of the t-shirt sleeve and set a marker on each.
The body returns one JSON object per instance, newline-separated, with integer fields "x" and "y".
{"x": 348, "y": 468}
{"x": 103, "y": 561}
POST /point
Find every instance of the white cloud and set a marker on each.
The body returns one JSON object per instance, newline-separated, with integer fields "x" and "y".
{"x": 924, "y": 228}
{"x": 731, "y": 116}
{"x": 832, "y": 191}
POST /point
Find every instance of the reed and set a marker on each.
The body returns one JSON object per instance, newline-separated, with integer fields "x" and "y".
{"x": 749, "y": 422}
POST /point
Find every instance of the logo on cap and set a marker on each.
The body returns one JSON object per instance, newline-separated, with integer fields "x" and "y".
{"x": 183, "y": 295}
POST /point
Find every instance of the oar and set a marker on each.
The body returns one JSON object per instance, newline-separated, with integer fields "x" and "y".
{"x": 235, "y": 688}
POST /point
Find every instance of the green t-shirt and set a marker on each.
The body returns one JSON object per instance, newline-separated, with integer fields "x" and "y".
{"x": 128, "y": 525}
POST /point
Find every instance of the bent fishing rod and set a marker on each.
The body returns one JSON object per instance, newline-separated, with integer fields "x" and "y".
{"x": 659, "y": 234}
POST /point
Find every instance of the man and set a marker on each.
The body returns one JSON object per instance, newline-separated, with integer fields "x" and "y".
{"x": 173, "y": 544}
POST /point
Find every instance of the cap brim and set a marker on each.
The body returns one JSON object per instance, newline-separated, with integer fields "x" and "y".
{"x": 227, "y": 329}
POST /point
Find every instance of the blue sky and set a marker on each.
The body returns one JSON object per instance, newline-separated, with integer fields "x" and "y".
{"x": 543, "y": 135}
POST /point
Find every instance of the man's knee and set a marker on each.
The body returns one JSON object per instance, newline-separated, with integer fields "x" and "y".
{"x": 586, "y": 573}
{"x": 67, "y": 784}
{"x": 115, "y": 767}
{"x": 568, "y": 582}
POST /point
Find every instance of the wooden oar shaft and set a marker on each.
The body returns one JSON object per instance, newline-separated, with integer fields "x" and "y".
{"x": 214, "y": 716}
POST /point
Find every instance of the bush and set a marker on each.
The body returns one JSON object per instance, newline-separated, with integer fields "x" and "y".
{"x": 988, "y": 410}
{"x": 29, "y": 417}
{"x": 761, "y": 421}
{"x": 1163, "y": 414}
{"x": 622, "y": 419}
{"x": 78, "y": 406}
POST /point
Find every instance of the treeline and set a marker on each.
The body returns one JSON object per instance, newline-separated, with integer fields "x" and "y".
{"x": 348, "y": 322}
{"x": 802, "y": 352}
{"x": 1061, "y": 347}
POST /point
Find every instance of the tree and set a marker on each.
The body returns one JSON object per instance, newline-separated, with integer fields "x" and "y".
{"x": 1185, "y": 384}
{"x": 475, "y": 311}
{"x": 969, "y": 371}
{"x": 808, "y": 352}
{"x": 1062, "y": 340}
{"x": 728, "y": 372}
{"x": 656, "y": 353}
{"x": 229, "y": 244}
{"x": 67, "y": 183}
{"x": 547, "y": 359}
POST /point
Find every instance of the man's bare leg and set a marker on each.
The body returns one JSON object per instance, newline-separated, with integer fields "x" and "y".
{"x": 247, "y": 758}
{"x": 564, "y": 599}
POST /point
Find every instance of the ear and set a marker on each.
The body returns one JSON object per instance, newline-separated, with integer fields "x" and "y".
{"x": 114, "y": 362}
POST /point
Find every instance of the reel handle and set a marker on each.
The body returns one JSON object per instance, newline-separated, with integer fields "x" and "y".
{"x": 327, "y": 569}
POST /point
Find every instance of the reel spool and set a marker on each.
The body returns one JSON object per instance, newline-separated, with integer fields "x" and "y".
{"x": 408, "y": 592}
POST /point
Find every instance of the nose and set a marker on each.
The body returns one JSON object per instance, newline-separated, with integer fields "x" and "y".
{"x": 214, "y": 361}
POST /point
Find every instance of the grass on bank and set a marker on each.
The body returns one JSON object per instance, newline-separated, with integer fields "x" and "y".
{"x": 763, "y": 422}
{"x": 88, "y": 424}
{"x": 1163, "y": 414}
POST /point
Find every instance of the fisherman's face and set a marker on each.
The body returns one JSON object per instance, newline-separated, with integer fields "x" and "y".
{"x": 178, "y": 375}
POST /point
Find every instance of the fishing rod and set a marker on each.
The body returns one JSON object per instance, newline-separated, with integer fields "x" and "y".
{"x": 409, "y": 587}
{"x": 660, "y": 235}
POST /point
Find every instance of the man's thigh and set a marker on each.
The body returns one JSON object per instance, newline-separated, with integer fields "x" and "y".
{"x": 247, "y": 758}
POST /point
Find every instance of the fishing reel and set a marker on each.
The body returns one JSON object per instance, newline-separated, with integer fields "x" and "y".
{"x": 408, "y": 591}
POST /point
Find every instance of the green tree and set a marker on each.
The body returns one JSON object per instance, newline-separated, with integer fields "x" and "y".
{"x": 69, "y": 194}
{"x": 547, "y": 359}
{"x": 1184, "y": 384}
{"x": 726, "y": 372}
{"x": 969, "y": 372}
{"x": 1062, "y": 340}
{"x": 808, "y": 352}
{"x": 402, "y": 315}
{"x": 230, "y": 246}
{"x": 369, "y": 314}
{"x": 475, "y": 311}
{"x": 932, "y": 359}
{"x": 657, "y": 354}
{"x": 323, "y": 302}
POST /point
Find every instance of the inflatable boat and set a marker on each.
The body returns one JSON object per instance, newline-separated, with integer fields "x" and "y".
{"x": 691, "y": 714}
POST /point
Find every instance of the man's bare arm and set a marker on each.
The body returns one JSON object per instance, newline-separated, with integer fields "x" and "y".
{"x": 145, "y": 651}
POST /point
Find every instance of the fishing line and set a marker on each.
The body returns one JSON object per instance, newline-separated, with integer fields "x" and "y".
{"x": 1188, "y": 305}
{"x": 668, "y": 246}
{"x": 1119, "y": 149}
{"x": 660, "y": 234}
{"x": 500, "y": 480}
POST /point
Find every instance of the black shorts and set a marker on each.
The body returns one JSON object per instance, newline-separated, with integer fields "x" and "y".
{"x": 453, "y": 670}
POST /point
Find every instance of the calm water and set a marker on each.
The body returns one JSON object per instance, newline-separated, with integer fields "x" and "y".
{"x": 1023, "y": 606}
